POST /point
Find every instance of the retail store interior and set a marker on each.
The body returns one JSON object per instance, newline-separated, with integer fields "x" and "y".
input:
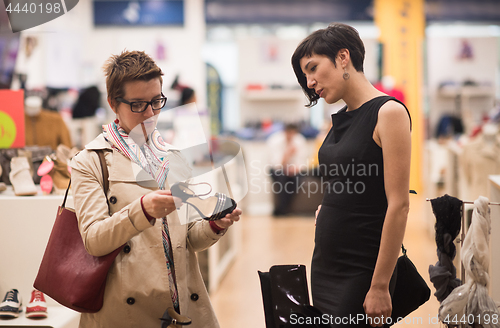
{"x": 440, "y": 57}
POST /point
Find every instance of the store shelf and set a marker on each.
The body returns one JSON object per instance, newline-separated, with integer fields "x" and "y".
{"x": 25, "y": 226}
{"x": 495, "y": 238}
{"x": 273, "y": 94}
{"x": 273, "y": 104}
{"x": 495, "y": 181}
{"x": 9, "y": 194}
{"x": 58, "y": 317}
{"x": 466, "y": 91}
{"x": 470, "y": 102}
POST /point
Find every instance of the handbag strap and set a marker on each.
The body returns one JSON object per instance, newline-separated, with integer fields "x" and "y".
{"x": 66, "y": 195}
{"x": 105, "y": 178}
{"x": 105, "y": 174}
{"x": 402, "y": 245}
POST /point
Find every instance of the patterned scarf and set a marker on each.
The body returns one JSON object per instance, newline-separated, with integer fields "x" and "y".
{"x": 152, "y": 157}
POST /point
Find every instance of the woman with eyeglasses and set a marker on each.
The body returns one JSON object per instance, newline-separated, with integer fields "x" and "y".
{"x": 158, "y": 268}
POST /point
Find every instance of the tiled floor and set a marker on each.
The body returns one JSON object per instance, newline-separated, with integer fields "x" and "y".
{"x": 267, "y": 241}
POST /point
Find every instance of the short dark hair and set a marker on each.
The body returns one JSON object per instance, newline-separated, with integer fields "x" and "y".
{"x": 328, "y": 42}
{"x": 129, "y": 66}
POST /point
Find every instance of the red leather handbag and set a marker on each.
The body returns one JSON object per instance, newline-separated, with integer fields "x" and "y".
{"x": 69, "y": 274}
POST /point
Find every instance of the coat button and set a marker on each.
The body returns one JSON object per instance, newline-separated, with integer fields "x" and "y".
{"x": 126, "y": 249}
{"x": 194, "y": 297}
{"x": 112, "y": 200}
{"x": 130, "y": 300}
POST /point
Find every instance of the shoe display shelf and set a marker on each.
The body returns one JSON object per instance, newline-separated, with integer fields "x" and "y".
{"x": 25, "y": 226}
{"x": 58, "y": 316}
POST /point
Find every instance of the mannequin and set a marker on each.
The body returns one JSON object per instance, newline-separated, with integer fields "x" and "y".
{"x": 43, "y": 127}
{"x": 33, "y": 106}
{"x": 388, "y": 86}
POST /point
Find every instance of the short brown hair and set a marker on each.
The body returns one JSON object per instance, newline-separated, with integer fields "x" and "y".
{"x": 328, "y": 42}
{"x": 129, "y": 66}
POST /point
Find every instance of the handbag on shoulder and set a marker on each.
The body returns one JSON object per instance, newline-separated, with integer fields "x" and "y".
{"x": 410, "y": 291}
{"x": 69, "y": 274}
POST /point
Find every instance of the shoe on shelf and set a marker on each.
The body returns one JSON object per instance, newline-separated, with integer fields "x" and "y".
{"x": 21, "y": 178}
{"x": 37, "y": 307}
{"x": 211, "y": 208}
{"x": 11, "y": 305}
{"x": 64, "y": 154}
{"x": 60, "y": 177}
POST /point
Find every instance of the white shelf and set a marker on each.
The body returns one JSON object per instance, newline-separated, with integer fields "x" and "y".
{"x": 495, "y": 238}
{"x": 495, "y": 182}
{"x": 9, "y": 194}
{"x": 273, "y": 104}
{"x": 474, "y": 102}
{"x": 25, "y": 226}
{"x": 274, "y": 94}
{"x": 58, "y": 317}
{"x": 466, "y": 91}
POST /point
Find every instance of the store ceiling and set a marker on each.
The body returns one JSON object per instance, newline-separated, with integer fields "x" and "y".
{"x": 286, "y": 11}
{"x": 311, "y": 11}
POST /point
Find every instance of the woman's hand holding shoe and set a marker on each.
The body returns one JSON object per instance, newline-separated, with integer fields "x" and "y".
{"x": 160, "y": 203}
{"x": 229, "y": 219}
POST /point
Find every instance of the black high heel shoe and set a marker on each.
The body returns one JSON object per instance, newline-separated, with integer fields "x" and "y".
{"x": 211, "y": 208}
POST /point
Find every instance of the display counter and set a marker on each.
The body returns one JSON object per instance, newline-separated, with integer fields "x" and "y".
{"x": 25, "y": 226}
{"x": 495, "y": 238}
{"x": 58, "y": 317}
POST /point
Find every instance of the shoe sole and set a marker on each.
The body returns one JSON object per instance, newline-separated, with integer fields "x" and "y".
{"x": 27, "y": 193}
{"x": 36, "y": 315}
{"x": 9, "y": 315}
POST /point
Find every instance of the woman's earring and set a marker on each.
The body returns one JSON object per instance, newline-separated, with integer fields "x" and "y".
{"x": 117, "y": 121}
{"x": 346, "y": 75}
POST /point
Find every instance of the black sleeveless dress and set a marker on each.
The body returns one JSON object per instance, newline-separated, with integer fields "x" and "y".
{"x": 349, "y": 225}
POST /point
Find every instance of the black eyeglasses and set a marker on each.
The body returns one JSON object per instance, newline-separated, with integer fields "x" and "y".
{"x": 140, "y": 106}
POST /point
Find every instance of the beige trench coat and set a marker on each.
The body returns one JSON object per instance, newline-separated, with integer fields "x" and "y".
{"x": 137, "y": 289}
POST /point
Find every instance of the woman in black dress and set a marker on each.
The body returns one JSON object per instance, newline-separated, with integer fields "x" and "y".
{"x": 366, "y": 157}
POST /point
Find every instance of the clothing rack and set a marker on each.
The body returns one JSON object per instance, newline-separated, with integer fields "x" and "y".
{"x": 468, "y": 202}
{"x": 462, "y": 235}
